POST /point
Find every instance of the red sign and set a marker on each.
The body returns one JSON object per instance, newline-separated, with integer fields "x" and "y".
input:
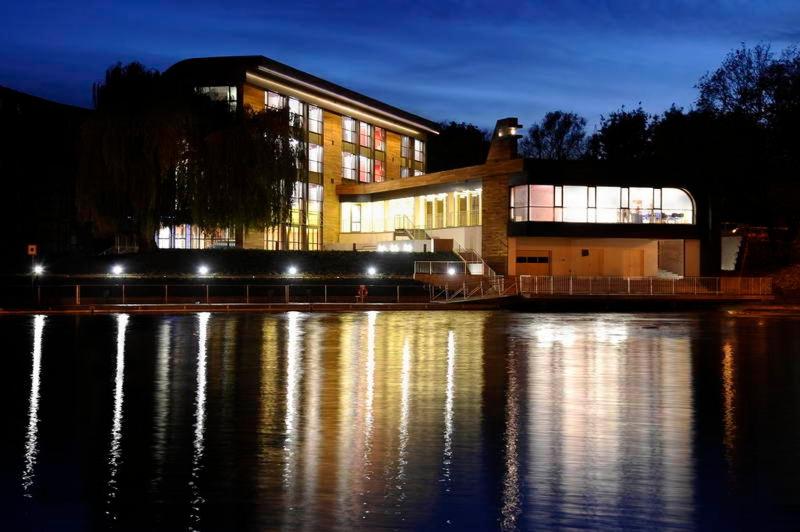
{"x": 33, "y": 250}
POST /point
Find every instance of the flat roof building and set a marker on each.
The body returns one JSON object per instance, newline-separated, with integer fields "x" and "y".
{"x": 365, "y": 187}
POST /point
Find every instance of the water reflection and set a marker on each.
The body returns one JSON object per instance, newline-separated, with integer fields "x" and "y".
{"x": 32, "y": 435}
{"x": 609, "y": 417}
{"x": 197, "y": 499}
{"x": 394, "y": 420}
{"x": 115, "y": 452}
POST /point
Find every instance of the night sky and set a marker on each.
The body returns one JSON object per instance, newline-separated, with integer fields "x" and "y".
{"x": 468, "y": 61}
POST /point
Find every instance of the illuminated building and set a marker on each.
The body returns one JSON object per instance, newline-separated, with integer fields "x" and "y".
{"x": 363, "y": 186}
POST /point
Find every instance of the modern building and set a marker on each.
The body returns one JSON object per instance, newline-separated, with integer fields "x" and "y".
{"x": 365, "y": 188}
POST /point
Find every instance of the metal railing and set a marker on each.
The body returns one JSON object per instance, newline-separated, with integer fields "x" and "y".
{"x": 183, "y": 294}
{"x": 466, "y": 290}
{"x": 644, "y": 286}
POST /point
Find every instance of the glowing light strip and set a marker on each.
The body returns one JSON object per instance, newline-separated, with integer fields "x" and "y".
{"x": 32, "y": 437}
{"x": 342, "y": 108}
{"x": 199, "y": 418}
{"x": 115, "y": 452}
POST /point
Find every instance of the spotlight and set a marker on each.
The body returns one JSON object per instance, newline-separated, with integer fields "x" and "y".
{"x": 451, "y": 271}
{"x": 202, "y": 269}
{"x": 292, "y": 270}
{"x": 117, "y": 269}
{"x": 38, "y": 269}
{"x": 371, "y": 270}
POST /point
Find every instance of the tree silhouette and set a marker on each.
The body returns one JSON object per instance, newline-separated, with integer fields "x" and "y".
{"x": 559, "y": 136}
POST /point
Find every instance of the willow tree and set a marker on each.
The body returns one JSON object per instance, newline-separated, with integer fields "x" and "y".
{"x": 156, "y": 150}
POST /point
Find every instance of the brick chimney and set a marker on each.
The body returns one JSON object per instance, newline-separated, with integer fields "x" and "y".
{"x": 504, "y": 140}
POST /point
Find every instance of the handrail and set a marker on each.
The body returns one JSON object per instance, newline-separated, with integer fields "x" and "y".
{"x": 644, "y": 286}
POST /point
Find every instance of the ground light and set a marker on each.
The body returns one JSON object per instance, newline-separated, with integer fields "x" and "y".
{"x": 117, "y": 269}
{"x": 38, "y": 269}
{"x": 451, "y": 271}
{"x": 202, "y": 269}
{"x": 371, "y": 270}
{"x": 292, "y": 270}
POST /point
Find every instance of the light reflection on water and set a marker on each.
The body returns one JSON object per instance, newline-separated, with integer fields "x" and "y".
{"x": 398, "y": 420}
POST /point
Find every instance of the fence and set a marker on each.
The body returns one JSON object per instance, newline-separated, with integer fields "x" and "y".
{"x": 112, "y": 294}
{"x": 644, "y": 286}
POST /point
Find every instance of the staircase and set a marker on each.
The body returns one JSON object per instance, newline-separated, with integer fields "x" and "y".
{"x": 404, "y": 228}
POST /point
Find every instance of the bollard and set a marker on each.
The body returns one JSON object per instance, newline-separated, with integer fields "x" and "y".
{"x": 77, "y": 294}
{"x": 247, "y": 293}
{"x": 398, "y": 293}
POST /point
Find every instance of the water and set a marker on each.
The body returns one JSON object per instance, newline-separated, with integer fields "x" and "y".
{"x": 461, "y": 420}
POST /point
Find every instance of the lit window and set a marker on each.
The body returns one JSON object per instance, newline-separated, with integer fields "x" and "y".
{"x": 405, "y": 147}
{"x": 365, "y": 135}
{"x": 575, "y": 204}
{"x": 405, "y": 171}
{"x": 348, "y": 165}
{"x": 418, "y": 172}
{"x": 315, "y": 158}
{"x": 348, "y": 130}
{"x": 419, "y": 151}
{"x": 296, "y": 111}
{"x": 380, "y": 139}
{"x": 314, "y": 119}
{"x": 364, "y": 169}
{"x": 379, "y": 171}
{"x": 273, "y": 100}
{"x": 221, "y": 94}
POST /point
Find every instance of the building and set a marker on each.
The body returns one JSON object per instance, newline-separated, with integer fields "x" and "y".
{"x": 349, "y": 137}
{"x": 364, "y": 187}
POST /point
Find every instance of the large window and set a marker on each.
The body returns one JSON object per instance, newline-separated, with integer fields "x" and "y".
{"x": 296, "y": 112}
{"x": 314, "y": 119}
{"x": 273, "y": 100}
{"x": 419, "y": 151}
{"x": 348, "y": 130}
{"x": 224, "y": 93}
{"x": 365, "y": 134}
{"x": 405, "y": 147}
{"x": 364, "y": 169}
{"x": 380, "y": 139}
{"x": 348, "y": 165}
{"x": 315, "y": 158}
{"x": 583, "y": 204}
{"x": 379, "y": 171}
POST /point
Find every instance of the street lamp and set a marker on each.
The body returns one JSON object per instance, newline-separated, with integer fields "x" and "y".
{"x": 292, "y": 270}
{"x": 117, "y": 269}
{"x": 38, "y": 269}
{"x": 202, "y": 269}
{"x": 451, "y": 271}
{"x": 371, "y": 270}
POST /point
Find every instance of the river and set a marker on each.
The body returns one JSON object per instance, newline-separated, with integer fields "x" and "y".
{"x": 401, "y": 420}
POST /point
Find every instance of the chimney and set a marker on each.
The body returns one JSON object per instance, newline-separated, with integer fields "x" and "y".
{"x": 504, "y": 140}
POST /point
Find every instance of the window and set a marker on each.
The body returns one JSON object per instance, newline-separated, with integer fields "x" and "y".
{"x": 380, "y": 139}
{"x": 348, "y": 130}
{"x": 405, "y": 147}
{"x": 418, "y": 172}
{"x": 315, "y": 158}
{"x": 581, "y": 204}
{"x": 221, "y": 94}
{"x": 273, "y": 100}
{"x": 314, "y": 119}
{"x": 365, "y": 135}
{"x": 405, "y": 171}
{"x": 348, "y": 165}
{"x": 296, "y": 112}
{"x": 314, "y": 213}
{"x": 364, "y": 169}
{"x": 419, "y": 151}
{"x": 378, "y": 171}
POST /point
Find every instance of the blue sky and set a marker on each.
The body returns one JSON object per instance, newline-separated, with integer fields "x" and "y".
{"x": 446, "y": 60}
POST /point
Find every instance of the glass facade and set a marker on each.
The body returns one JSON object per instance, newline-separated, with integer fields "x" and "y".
{"x": 589, "y": 204}
{"x": 186, "y": 236}
{"x": 432, "y": 211}
{"x": 223, "y": 93}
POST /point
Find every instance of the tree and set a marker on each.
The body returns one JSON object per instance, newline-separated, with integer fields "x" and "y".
{"x": 623, "y": 135}
{"x": 157, "y": 151}
{"x": 737, "y": 86}
{"x": 560, "y": 135}
{"x": 457, "y": 145}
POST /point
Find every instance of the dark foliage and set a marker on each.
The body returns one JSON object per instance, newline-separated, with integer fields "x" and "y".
{"x": 457, "y": 145}
{"x": 559, "y": 136}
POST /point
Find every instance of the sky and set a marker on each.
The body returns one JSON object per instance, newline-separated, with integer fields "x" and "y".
{"x": 469, "y": 61}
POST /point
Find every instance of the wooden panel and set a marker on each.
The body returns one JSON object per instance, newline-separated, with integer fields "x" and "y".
{"x": 392, "y": 155}
{"x": 253, "y": 97}
{"x": 332, "y": 174}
